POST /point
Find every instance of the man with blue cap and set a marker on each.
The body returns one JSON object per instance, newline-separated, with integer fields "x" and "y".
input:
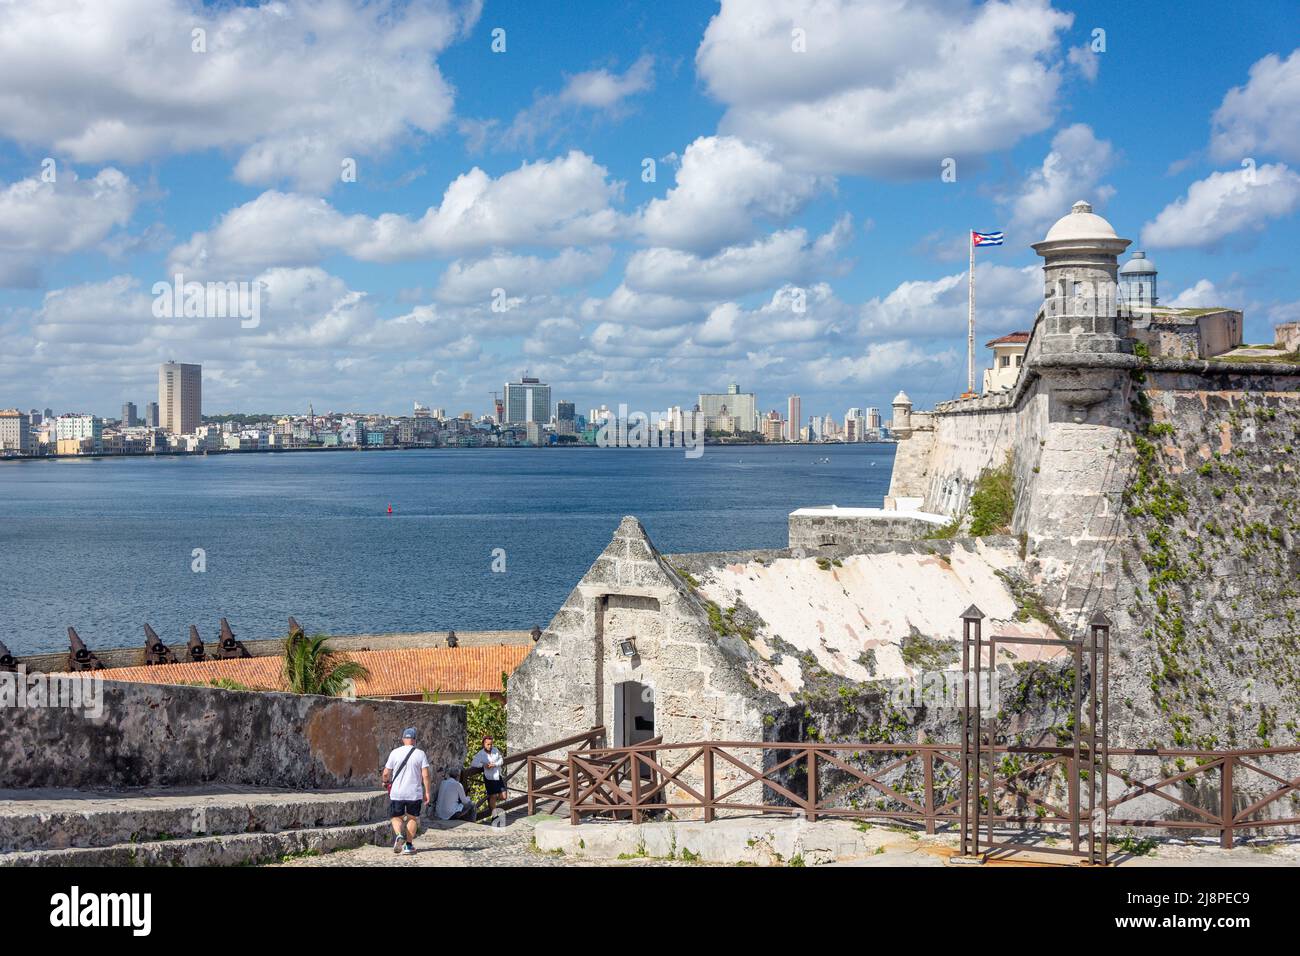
{"x": 406, "y": 776}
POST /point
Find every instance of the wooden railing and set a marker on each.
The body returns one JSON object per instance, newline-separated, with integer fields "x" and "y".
{"x": 546, "y": 758}
{"x": 913, "y": 783}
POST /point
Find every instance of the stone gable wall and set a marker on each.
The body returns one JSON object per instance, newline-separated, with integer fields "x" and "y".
{"x": 701, "y": 681}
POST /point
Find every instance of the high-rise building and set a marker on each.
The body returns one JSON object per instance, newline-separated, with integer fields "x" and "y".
{"x": 566, "y": 418}
{"x": 855, "y": 425}
{"x": 793, "y": 417}
{"x": 528, "y": 400}
{"x": 151, "y": 415}
{"x": 15, "y": 432}
{"x": 773, "y": 426}
{"x": 128, "y": 414}
{"x": 180, "y": 397}
{"x": 78, "y": 434}
{"x": 733, "y": 409}
{"x": 873, "y": 419}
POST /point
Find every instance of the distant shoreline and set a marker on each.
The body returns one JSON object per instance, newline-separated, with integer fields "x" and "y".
{"x": 364, "y": 448}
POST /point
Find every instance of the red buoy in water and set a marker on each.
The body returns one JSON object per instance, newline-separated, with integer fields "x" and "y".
{"x": 390, "y": 509}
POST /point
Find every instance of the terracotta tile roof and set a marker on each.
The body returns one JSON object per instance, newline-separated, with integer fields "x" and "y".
{"x": 450, "y": 670}
{"x": 1011, "y": 338}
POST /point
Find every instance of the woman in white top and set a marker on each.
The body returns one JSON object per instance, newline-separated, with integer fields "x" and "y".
{"x": 490, "y": 761}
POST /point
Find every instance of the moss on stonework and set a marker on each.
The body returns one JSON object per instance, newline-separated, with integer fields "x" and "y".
{"x": 993, "y": 502}
{"x": 1234, "y": 509}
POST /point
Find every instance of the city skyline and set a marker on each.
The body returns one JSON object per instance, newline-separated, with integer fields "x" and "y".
{"x": 636, "y": 222}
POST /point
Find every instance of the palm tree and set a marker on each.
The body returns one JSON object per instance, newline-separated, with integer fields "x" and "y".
{"x": 310, "y": 667}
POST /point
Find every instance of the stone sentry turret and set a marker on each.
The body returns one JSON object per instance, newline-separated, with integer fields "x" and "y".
{"x": 1081, "y": 334}
{"x": 902, "y": 420}
{"x": 1080, "y": 275}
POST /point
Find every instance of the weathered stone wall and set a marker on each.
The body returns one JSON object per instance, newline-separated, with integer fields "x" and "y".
{"x": 910, "y": 478}
{"x": 163, "y": 736}
{"x": 698, "y": 676}
{"x": 1288, "y": 336}
{"x": 1208, "y": 608}
{"x": 813, "y": 531}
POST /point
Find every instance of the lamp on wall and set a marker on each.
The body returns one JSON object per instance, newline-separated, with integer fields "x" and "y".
{"x": 627, "y": 647}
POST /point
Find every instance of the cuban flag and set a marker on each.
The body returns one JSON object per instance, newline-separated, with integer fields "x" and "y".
{"x": 986, "y": 238}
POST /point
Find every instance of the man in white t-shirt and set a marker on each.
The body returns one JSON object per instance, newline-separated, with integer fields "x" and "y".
{"x": 406, "y": 775}
{"x": 453, "y": 802}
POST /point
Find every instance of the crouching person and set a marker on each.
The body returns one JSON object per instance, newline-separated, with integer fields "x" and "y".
{"x": 406, "y": 776}
{"x": 453, "y": 802}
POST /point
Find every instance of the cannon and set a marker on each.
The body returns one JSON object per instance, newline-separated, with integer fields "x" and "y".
{"x": 196, "y": 644}
{"x": 452, "y": 639}
{"x": 81, "y": 657}
{"x": 155, "y": 651}
{"x": 535, "y": 633}
{"x": 230, "y": 648}
{"x": 7, "y": 661}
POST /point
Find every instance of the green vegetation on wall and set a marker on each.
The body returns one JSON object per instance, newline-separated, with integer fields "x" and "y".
{"x": 993, "y": 502}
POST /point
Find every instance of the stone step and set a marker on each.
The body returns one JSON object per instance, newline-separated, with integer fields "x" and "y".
{"x": 37, "y": 820}
{"x": 231, "y": 849}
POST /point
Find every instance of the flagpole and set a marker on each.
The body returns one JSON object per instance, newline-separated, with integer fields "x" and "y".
{"x": 970, "y": 315}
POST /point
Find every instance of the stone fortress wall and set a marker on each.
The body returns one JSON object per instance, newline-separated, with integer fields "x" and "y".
{"x": 166, "y": 736}
{"x": 1159, "y": 489}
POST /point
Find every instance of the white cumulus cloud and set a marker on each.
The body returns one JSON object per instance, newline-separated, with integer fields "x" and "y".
{"x": 1225, "y": 203}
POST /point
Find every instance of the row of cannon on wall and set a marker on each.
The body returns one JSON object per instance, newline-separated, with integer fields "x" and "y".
{"x": 82, "y": 658}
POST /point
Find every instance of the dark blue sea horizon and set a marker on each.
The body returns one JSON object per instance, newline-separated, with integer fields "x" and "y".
{"x": 105, "y": 545}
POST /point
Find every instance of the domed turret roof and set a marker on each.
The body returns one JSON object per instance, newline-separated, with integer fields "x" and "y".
{"x": 901, "y": 399}
{"x": 1080, "y": 223}
{"x": 1138, "y": 265}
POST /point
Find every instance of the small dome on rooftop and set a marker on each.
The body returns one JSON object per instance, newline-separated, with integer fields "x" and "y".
{"x": 1081, "y": 223}
{"x": 1138, "y": 265}
{"x": 901, "y": 399}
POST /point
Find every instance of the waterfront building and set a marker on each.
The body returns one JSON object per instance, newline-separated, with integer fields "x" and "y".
{"x": 740, "y": 407}
{"x": 180, "y": 397}
{"x": 151, "y": 415}
{"x": 128, "y": 414}
{"x": 773, "y": 426}
{"x": 528, "y": 400}
{"x": 15, "y": 432}
{"x": 78, "y": 434}
{"x": 793, "y": 416}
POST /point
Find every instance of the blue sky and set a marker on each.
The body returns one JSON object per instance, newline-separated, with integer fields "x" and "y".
{"x": 797, "y": 236}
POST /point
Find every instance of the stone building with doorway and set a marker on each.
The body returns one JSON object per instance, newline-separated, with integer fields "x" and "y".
{"x": 752, "y": 645}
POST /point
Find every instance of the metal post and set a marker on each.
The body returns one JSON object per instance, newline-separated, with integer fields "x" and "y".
{"x": 978, "y": 720}
{"x": 1105, "y": 739}
{"x": 970, "y": 789}
{"x": 1092, "y": 745}
{"x": 990, "y": 808}
{"x": 1074, "y": 762}
{"x": 965, "y": 736}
